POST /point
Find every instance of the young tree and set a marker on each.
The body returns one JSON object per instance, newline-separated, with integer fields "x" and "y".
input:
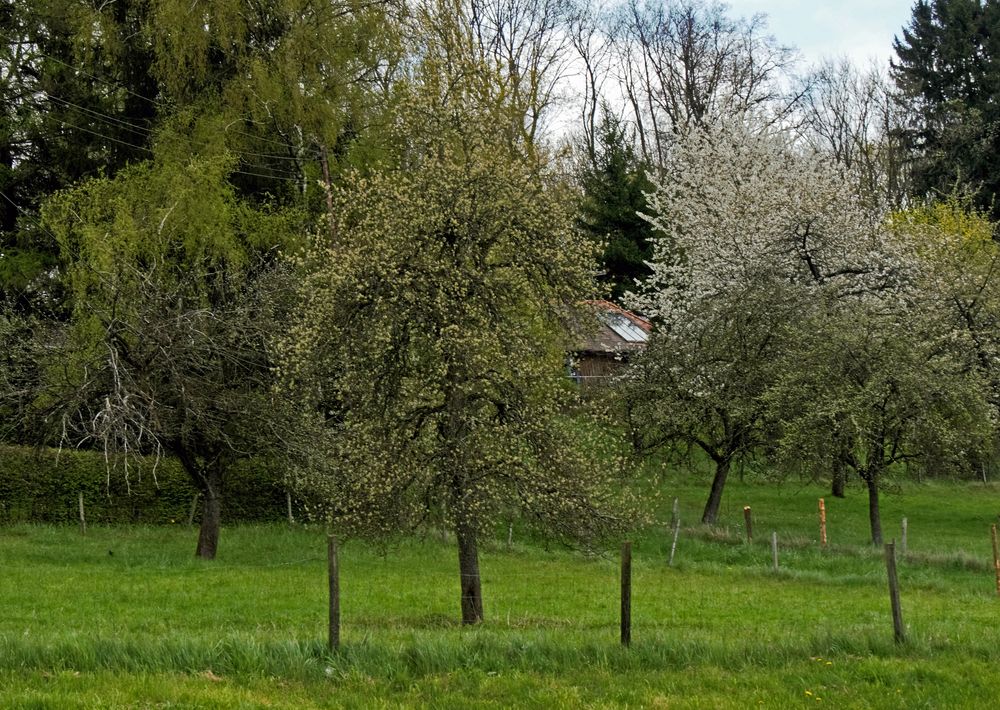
{"x": 431, "y": 342}
{"x": 701, "y": 382}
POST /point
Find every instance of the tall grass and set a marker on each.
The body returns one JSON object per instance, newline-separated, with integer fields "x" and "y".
{"x": 126, "y": 616}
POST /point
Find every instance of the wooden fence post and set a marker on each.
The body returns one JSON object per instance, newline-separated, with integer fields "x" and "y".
{"x": 626, "y": 616}
{"x": 822, "y": 523}
{"x": 673, "y": 546}
{"x": 83, "y": 520}
{"x": 675, "y": 515}
{"x": 334, "y": 579}
{"x": 774, "y": 549}
{"x": 996, "y": 557}
{"x": 899, "y": 631}
{"x": 902, "y": 542}
{"x": 288, "y": 500}
{"x": 748, "y": 518}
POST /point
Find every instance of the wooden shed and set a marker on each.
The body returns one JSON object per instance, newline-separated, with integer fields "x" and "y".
{"x": 610, "y": 336}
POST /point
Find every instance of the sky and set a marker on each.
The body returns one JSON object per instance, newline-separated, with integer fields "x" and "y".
{"x": 859, "y": 29}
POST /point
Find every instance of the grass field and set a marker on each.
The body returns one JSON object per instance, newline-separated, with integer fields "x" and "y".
{"x": 126, "y": 617}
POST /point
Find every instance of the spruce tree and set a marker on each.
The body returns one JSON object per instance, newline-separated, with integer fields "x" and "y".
{"x": 947, "y": 72}
{"x": 614, "y": 185}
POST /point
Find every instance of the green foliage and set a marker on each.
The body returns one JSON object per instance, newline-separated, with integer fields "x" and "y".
{"x": 71, "y": 95}
{"x": 432, "y": 330}
{"x": 958, "y": 280}
{"x": 614, "y": 182}
{"x": 43, "y": 485}
{"x": 948, "y": 72}
{"x": 877, "y": 388}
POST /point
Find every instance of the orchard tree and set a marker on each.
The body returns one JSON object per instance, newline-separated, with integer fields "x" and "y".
{"x": 701, "y": 382}
{"x": 960, "y": 276}
{"x": 429, "y": 350}
{"x": 749, "y": 230}
{"x": 167, "y": 353}
{"x": 871, "y": 384}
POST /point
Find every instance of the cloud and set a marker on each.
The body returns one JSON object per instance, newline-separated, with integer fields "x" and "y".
{"x": 859, "y": 29}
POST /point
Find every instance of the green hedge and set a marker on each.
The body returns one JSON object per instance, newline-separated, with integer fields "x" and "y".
{"x": 43, "y": 486}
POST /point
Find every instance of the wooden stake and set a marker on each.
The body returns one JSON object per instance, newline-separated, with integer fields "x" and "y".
{"x": 748, "y": 517}
{"x": 822, "y": 523}
{"x": 902, "y": 542}
{"x": 334, "y": 579}
{"x": 996, "y": 557}
{"x": 676, "y": 514}
{"x": 899, "y": 631}
{"x": 288, "y": 500}
{"x": 673, "y": 547}
{"x": 510, "y": 535}
{"x": 194, "y": 509}
{"x": 626, "y": 616}
{"x": 83, "y": 520}
{"x": 774, "y": 549}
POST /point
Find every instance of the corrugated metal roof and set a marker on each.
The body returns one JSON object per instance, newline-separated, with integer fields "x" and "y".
{"x": 629, "y": 331}
{"x": 617, "y": 330}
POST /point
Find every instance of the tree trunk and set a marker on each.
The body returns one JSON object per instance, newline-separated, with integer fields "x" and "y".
{"x": 468, "y": 566}
{"x": 874, "y": 518}
{"x": 211, "y": 516}
{"x": 711, "y": 513}
{"x": 838, "y": 479}
{"x": 208, "y": 478}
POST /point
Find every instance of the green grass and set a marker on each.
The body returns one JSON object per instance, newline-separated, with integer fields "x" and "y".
{"x": 126, "y": 617}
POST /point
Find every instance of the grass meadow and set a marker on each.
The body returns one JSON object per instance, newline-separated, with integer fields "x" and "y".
{"x": 127, "y": 617}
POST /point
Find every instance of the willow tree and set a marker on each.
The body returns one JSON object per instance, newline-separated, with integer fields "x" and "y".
{"x": 429, "y": 351}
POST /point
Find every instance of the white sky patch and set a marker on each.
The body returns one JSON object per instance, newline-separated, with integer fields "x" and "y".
{"x": 861, "y": 30}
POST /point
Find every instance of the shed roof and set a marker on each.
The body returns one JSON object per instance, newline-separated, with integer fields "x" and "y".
{"x": 618, "y": 330}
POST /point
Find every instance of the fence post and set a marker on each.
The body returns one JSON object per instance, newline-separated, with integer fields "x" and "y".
{"x": 748, "y": 518}
{"x": 626, "y": 616}
{"x": 510, "y": 535}
{"x": 996, "y": 557}
{"x": 673, "y": 546}
{"x": 333, "y": 570}
{"x": 902, "y": 542}
{"x": 288, "y": 501}
{"x": 822, "y": 523}
{"x": 774, "y": 549}
{"x": 676, "y": 513}
{"x": 899, "y": 631}
{"x": 83, "y": 520}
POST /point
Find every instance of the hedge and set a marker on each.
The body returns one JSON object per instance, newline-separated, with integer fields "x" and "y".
{"x": 43, "y": 486}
